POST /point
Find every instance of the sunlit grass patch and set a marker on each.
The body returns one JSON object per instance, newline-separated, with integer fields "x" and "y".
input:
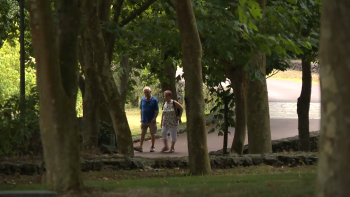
{"x": 293, "y": 75}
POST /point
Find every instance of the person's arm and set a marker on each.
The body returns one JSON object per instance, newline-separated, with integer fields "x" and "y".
{"x": 161, "y": 121}
{"x": 155, "y": 116}
{"x": 157, "y": 111}
{"x": 179, "y": 106}
{"x": 141, "y": 110}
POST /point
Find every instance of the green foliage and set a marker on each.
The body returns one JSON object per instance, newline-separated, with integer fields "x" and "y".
{"x": 9, "y": 16}
{"x": 9, "y": 27}
{"x": 138, "y": 82}
{"x": 20, "y": 136}
{"x": 79, "y": 104}
{"x": 10, "y": 71}
{"x": 221, "y": 95}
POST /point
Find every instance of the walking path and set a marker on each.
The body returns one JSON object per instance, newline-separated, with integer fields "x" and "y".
{"x": 284, "y": 110}
{"x": 283, "y": 96}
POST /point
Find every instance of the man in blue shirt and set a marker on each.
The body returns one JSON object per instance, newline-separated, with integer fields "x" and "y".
{"x": 149, "y": 112}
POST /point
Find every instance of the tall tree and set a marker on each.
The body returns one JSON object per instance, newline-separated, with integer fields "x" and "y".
{"x": 167, "y": 76}
{"x": 334, "y": 162}
{"x": 92, "y": 93}
{"x": 309, "y": 24}
{"x": 94, "y": 107}
{"x": 22, "y": 66}
{"x": 111, "y": 109}
{"x": 109, "y": 87}
{"x": 257, "y": 107}
{"x": 237, "y": 76}
{"x": 194, "y": 101}
{"x": 303, "y": 106}
{"x": 57, "y": 80}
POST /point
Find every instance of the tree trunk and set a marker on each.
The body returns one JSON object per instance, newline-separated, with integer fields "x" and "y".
{"x": 109, "y": 88}
{"x": 237, "y": 76}
{"x": 257, "y": 112}
{"x": 224, "y": 149}
{"x": 304, "y": 106}
{"x": 257, "y": 107}
{"x": 192, "y": 58}
{"x": 124, "y": 79}
{"x": 169, "y": 72}
{"x": 57, "y": 80}
{"x": 334, "y": 162}
{"x": 91, "y": 98}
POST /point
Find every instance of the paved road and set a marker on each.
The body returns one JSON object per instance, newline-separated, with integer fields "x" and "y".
{"x": 289, "y": 91}
{"x": 284, "y": 120}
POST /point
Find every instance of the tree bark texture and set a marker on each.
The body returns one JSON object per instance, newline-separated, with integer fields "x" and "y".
{"x": 257, "y": 107}
{"x": 303, "y": 106}
{"x": 169, "y": 72}
{"x": 57, "y": 81}
{"x": 109, "y": 87}
{"x": 192, "y": 58}
{"x": 257, "y": 111}
{"x": 237, "y": 76}
{"x": 91, "y": 100}
{"x": 334, "y": 146}
{"x": 124, "y": 79}
{"x": 224, "y": 149}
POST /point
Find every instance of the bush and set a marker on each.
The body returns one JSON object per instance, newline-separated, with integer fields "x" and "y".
{"x": 20, "y": 135}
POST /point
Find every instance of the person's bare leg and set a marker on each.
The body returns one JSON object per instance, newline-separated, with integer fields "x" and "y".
{"x": 172, "y": 149}
{"x": 165, "y": 145}
{"x": 153, "y": 139}
{"x": 142, "y": 138}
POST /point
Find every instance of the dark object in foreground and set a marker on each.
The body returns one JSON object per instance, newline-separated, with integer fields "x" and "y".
{"x": 28, "y": 194}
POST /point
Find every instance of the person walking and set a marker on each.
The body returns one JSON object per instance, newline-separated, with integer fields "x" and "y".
{"x": 172, "y": 111}
{"x": 149, "y": 112}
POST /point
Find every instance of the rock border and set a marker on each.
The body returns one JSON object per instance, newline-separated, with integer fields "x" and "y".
{"x": 145, "y": 164}
{"x": 285, "y": 144}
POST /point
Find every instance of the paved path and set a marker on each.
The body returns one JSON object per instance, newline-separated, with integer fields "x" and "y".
{"x": 285, "y": 110}
{"x": 283, "y": 118}
{"x": 289, "y": 91}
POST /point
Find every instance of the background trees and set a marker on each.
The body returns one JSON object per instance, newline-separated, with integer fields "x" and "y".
{"x": 125, "y": 45}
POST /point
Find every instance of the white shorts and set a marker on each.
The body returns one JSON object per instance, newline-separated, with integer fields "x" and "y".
{"x": 172, "y": 131}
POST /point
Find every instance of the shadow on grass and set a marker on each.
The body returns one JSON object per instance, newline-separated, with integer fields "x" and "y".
{"x": 248, "y": 181}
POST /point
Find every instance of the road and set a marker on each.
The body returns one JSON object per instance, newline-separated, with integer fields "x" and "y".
{"x": 283, "y": 118}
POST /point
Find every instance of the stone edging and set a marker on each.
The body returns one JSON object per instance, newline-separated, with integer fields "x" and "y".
{"x": 285, "y": 144}
{"x": 139, "y": 163}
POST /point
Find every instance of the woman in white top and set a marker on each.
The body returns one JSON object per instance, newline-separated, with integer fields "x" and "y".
{"x": 170, "y": 119}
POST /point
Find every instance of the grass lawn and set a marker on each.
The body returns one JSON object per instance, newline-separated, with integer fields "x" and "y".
{"x": 293, "y": 75}
{"x": 134, "y": 118}
{"x": 240, "y": 181}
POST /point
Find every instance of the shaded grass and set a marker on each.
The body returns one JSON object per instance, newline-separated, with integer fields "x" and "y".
{"x": 293, "y": 75}
{"x": 239, "y": 181}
